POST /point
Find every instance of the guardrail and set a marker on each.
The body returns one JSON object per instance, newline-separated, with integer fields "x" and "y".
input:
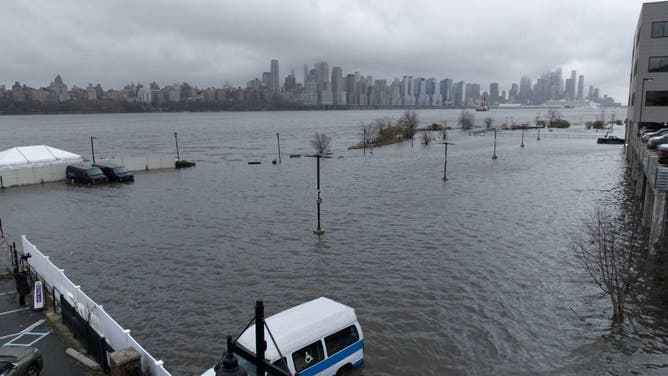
{"x": 116, "y": 337}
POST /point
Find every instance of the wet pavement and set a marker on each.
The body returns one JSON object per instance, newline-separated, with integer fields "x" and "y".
{"x": 20, "y": 326}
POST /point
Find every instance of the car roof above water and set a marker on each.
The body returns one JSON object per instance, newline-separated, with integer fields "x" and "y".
{"x": 109, "y": 165}
{"x": 299, "y": 326}
{"x": 84, "y": 166}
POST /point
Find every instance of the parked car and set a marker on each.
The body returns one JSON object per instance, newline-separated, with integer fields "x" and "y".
{"x": 647, "y": 135}
{"x": 20, "y": 361}
{"x": 85, "y": 173}
{"x": 653, "y": 142}
{"x": 607, "y": 139}
{"x": 662, "y": 153}
{"x": 115, "y": 172}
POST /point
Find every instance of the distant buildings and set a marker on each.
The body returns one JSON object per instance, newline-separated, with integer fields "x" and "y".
{"x": 322, "y": 88}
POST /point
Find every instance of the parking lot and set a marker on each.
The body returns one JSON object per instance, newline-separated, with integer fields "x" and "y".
{"x": 19, "y": 326}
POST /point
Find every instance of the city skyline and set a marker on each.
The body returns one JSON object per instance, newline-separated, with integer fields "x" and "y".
{"x": 212, "y": 43}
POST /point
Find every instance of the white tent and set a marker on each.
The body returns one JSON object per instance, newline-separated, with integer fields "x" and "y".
{"x": 34, "y": 164}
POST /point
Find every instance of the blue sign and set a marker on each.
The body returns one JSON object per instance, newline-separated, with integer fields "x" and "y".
{"x": 319, "y": 199}
{"x": 38, "y": 301}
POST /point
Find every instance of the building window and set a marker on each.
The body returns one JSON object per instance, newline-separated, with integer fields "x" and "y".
{"x": 656, "y": 98}
{"x": 660, "y": 29}
{"x": 658, "y": 64}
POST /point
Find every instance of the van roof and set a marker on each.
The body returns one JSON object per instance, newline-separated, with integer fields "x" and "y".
{"x": 105, "y": 164}
{"x": 299, "y": 326}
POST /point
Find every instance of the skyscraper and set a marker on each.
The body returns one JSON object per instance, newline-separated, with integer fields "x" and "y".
{"x": 459, "y": 94}
{"x": 275, "y": 86}
{"x": 571, "y": 93}
{"x": 581, "y": 87}
{"x": 338, "y": 94}
{"x": 494, "y": 93}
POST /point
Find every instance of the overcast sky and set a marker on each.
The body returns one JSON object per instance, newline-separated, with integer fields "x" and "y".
{"x": 213, "y": 42}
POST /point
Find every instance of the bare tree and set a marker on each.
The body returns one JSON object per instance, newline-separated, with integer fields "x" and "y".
{"x": 321, "y": 143}
{"x": 488, "y": 122}
{"x": 409, "y": 122}
{"x": 613, "y": 249}
{"x": 553, "y": 114}
{"x": 426, "y": 138}
{"x": 466, "y": 120}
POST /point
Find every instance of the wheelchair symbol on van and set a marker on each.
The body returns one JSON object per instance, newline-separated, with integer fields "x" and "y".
{"x": 308, "y": 358}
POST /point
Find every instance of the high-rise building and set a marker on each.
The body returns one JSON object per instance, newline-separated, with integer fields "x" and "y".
{"x": 524, "y": 96}
{"x": 458, "y": 99}
{"x": 494, "y": 93}
{"x": 430, "y": 91}
{"x": 571, "y": 91}
{"x": 446, "y": 93}
{"x": 580, "y": 88}
{"x": 338, "y": 93}
{"x": 512, "y": 94}
{"x": 275, "y": 85}
{"x": 267, "y": 80}
{"x": 570, "y": 87}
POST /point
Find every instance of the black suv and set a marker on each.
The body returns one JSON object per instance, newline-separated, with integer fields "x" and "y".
{"x": 115, "y": 172}
{"x": 85, "y": 173}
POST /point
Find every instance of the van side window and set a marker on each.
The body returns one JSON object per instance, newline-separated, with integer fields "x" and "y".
{"x": 308, "y": 356}
{"x": 341, "y": 339}
{"x": 281, "y": 363}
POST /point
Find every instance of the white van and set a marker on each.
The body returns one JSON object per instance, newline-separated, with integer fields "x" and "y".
{"x": 321, "y": 337}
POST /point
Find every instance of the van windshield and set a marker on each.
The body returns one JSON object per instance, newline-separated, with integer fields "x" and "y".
{"x": 94, "y": 171}
{"x": 120, "y": 170}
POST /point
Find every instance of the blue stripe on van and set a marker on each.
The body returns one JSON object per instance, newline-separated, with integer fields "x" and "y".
{"x": 332, "y": 360}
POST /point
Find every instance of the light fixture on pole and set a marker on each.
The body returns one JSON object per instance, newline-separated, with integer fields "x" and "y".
{"x": 92, "y": 147}
{"x": 445, "y": 161}
{"x": 494, "y": 154}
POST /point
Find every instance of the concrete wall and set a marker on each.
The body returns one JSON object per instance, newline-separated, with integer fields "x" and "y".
{"x": 52, "y": 173}
{"x": 145, "y": 163}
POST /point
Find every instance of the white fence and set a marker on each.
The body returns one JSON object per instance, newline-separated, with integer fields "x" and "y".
{"x": 149, "y": 162}
{"x": 117, "y": 337}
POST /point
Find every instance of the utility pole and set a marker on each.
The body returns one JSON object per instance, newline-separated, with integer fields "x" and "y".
{"x": 494, "y": 154}
{"x": 92, "y": 147}
{"x": 445, "y": 161}
{"x": 176, "y": 140}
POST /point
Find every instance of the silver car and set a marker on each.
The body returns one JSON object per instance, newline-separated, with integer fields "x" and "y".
{"x": 653, "y": 142}
{"x": 647, "y": 135}
{"x": 20, "y": 361}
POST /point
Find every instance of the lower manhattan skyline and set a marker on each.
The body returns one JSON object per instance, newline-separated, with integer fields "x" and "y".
{"x": 210, "y": 44}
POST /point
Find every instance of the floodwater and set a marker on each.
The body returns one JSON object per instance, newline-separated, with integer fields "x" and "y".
{"x": 473, "y": 276}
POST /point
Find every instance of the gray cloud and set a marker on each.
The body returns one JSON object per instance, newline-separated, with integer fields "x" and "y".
{"x": 209, "y": 42}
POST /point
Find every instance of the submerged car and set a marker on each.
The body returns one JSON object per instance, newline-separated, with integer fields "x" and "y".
{"x": 610, "y": 140}
{"x": 85, "y": 173}
{"x": 20, "y": 361}
{"x": 115, "y": 172}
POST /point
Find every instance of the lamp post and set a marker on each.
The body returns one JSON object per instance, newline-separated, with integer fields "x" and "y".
{"x": 176, "y": 140}
{"x": 494, "y": 154}
{"x": 92, "y": 147}
{"x": 522, "y": 144}
{"x": 445, "y": 161}
{"x": 538, "y": 128}
{"x": 318, "y": 230}
{"x": 278, "y": 141}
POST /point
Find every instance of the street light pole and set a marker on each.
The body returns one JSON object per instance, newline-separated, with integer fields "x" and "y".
{"x": 176, "y": 140}
{"x": 278, "y": 141}
{"x": 92, "y": 148}
{"x": 445, "y": 161}
{"x": 494, "y": 155}
{"x": 522, "y": 144}
{"x": 318, "y": 231}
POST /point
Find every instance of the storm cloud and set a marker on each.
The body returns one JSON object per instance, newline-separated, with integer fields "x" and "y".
{"x": 214, "y": 42}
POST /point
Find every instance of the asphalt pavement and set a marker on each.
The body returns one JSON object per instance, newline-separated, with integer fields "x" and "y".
{"x": 20, "y": 326}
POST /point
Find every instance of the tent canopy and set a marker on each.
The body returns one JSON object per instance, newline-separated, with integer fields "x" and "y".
{"x": 24, "y": 156}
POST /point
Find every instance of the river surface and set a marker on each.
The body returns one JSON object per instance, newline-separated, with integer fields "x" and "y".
{"x": 473, "y": 276}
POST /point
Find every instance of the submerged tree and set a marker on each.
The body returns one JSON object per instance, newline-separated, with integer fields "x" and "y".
{"x": 466, "y": 120}
{"x": 321, "y": 143}
{"x": 613, "y": 249}
{"x": 488, "y": 122}
{"x": 408, "y": 122}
